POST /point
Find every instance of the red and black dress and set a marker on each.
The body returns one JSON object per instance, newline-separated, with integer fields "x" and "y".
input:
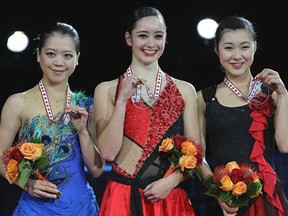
{"x": 138, "y": 163}
{"x": 245, "y": 135}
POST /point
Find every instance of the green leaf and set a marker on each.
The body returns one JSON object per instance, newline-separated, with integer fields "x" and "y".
{"x": 211, "y": 194}
{"x": 25, "y": 164}
{"x": 41, "y": 162}
{"x": 190, "y": 172}
{"x": 166, "y": 154}
{"x": 24, "y": 176}
{"x": 253, "y": 188}
{"x": 177, "y": 154}
{"x": 173, "y": 161}
{"x": 240, "y": 201}
{"x": 225, "y": 196}
{"x": 214, "y": 191}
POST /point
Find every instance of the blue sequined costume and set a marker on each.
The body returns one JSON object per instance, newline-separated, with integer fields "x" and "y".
{"x": 65, "y": 169}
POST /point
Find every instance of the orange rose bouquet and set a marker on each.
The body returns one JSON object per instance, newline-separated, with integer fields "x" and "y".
{"x": 23, "y": 161}
{"x": 238, "y": 183}
{"x": 182, "y": 153}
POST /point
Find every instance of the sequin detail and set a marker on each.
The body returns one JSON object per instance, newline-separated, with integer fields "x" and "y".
{"x": 61, "y": 143}
{"x": 146, "y": 127}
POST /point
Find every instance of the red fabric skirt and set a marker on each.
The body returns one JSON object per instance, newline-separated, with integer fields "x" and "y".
{"x": 116, "y": 202}
{"x": 257, "y": 209}
{"x": 262, "y": 207}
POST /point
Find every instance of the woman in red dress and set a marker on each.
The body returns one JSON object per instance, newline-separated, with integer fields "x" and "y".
{"x": 134, "y": 113}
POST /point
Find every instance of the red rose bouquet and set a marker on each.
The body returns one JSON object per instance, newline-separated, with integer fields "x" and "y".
{"x": 23, "y": 161}
{"x": 238, "y": 183}
{"x": 182, "y": 153}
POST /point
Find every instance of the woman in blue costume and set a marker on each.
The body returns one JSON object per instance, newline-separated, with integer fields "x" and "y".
{"x": 61, "y": 119}
{"x": 240, "y": 126}
{"x": 134, "y": 113}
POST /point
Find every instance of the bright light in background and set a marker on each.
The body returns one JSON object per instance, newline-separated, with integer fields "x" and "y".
{"x": 206, "y": 28}
{"x": 17, "y": 42}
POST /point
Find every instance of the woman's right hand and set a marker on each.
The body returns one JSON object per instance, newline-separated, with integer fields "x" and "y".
{"x": 41, "y": 189}
{"x": 129, "y": 86}
{"x": 227, "y": 208}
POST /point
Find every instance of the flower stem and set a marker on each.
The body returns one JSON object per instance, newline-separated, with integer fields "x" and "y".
{"x": 170, "y": 170}
{"x": 39, "y": 176}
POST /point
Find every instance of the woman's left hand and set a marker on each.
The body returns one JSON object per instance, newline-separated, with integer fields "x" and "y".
{"x": 273, "y": 80}
{"x": 79, "y": 116}
{"x": 157, "y": 190}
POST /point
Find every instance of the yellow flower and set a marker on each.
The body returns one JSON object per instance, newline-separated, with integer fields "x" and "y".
{"x": 232, "y": 165}
{"x": 188, "y": 148}
{"x": 227, "y": 184}
{"x": 166, "y": 145}
{"x": 12, "y": 171}
{"x": 182, "y": 153}
{"x": 31, "y": 151}
{"x": 188, "y": 162}
{"x": 239, "y": 188}
{"x": 234, "y": 182}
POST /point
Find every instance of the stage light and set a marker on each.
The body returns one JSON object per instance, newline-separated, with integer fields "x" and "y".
{"x": 206, "y": 28}
{"x": 17, "y": 42}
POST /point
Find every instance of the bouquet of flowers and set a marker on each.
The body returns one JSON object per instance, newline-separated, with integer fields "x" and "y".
{"x": 25, "y": 160}
{"x": 238, "y": 183}
{"x": 183, "y": 153}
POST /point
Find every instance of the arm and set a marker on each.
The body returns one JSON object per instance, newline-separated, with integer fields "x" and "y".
{"x": 86, "y": 131}
{"x": 9, "y": 126}
{"x": 280, "y": 97}
{"x": 205, "y": 172}
{"x": 194, "y": 130}
{"x": 110, "y": 115}
{"x": 227, "y": 209}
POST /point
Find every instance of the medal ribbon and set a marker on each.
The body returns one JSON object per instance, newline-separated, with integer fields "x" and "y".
{"x": 137, "y": 95}
{"x": 48, "y": 108}
{"x": 254, "y": 85}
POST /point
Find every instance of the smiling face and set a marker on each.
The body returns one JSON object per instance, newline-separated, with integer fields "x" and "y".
{"x": 58, "y": 57}
{"x": 147, "y": 40}
{"x": 236, "y": 51}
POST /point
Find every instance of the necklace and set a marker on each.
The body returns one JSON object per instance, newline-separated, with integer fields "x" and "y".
{"x": 137, "y": 95}
{"x": 46, "y": 102}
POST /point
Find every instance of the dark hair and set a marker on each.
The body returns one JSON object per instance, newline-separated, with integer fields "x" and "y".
{"x": 140, "y": 13}
{"x": 58, "y": 27}
{"x": 233, "y": 23}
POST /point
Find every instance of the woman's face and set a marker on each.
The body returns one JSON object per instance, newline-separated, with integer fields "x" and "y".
{"x": 58, "y": 58}
{"x": 236, "y": 51}
{"x": 147, "y": 40}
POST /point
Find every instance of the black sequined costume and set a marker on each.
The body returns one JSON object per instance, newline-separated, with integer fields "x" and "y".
{"x": 228, "y": 139}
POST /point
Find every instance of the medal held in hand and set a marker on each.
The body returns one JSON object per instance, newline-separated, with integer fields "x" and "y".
{"x": 258, "y": 92}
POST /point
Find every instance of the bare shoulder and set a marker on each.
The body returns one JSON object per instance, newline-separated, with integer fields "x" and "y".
{"x": 16, "y": 100}
{"x": 105, "y": 92}
{"x": 185, "y": 87}
{"x": 106, "y": 85}
{"x": 13, "y": 106}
